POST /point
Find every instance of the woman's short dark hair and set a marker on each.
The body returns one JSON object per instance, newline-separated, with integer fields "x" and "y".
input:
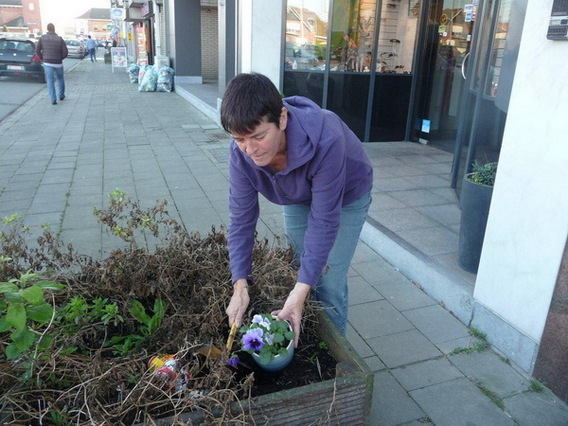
{"x": 247, "y": 100}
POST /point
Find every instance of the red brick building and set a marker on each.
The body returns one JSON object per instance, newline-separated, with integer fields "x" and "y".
{"x": 20, "y": 16}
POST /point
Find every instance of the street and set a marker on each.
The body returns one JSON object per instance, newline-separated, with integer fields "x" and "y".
{"x": 17, "y": 90}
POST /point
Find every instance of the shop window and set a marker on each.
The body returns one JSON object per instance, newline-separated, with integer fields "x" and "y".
{"x": 397, "y": 36}
{"x": 360, "y": 55}
{"x": 352, "y": 35}
{"x": 355, "y": 32}
{"x": 306, "y": 35}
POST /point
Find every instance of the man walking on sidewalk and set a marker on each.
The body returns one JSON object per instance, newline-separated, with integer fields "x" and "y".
{"x": 52, "y": 50}
{"x": 91, "y": 47}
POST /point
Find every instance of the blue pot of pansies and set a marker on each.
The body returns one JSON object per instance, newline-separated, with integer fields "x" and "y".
{"x": 269, "y": 340}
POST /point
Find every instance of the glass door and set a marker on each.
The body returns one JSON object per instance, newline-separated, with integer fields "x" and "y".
{"x": 489, "y": 78}
{"x": 447, "y": 45}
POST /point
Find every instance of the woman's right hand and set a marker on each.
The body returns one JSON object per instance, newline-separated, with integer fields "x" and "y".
{"x": 294, "y": 307}
{"x": 239, "y": 302}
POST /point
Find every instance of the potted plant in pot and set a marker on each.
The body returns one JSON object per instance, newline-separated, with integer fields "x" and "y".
{"x": 270, "y": 342}
{"x": 475, "y": 200}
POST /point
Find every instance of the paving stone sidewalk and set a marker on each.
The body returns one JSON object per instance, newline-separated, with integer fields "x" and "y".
{"x": 58, "y": 162}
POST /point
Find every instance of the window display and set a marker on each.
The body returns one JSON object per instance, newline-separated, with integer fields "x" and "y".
{"x": 354, "y": 33}
{"x": 397, "y": 36}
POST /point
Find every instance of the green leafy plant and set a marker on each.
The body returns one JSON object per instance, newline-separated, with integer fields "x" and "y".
{"x": 75, "y": 310}
{"x": 536, "y": 386}
{"x": 79, "y": 311}
{"x": 24, "y": 310}
{"x": 483, "y": 173}
{"x": 149, "y": 324}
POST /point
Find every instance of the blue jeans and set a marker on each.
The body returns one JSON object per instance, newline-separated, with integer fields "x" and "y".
{"x": 93, "y": 54}
{"x": 52, "y": 73}
{"x": 331, "y": 289}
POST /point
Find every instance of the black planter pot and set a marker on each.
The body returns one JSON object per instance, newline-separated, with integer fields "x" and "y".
{"x": 475, "y": 201}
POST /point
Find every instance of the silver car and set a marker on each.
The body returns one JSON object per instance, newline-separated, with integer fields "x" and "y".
{"x": 76, "y": 48}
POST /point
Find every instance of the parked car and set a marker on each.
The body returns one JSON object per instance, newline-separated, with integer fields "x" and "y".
{"x": 300, "y": 57}
{"x": 18, "y": 57}
{"x": 76, "y": 48}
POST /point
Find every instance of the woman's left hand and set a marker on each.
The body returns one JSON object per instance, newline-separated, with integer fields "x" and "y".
{"x": 294, "y": 308}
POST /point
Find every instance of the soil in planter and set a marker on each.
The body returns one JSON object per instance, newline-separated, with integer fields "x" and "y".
{"x": 312, "y": 363}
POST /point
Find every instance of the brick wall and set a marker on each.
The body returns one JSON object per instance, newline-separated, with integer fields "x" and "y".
{"x": 209, "y": 44}
{"x": 9, "y": 13}
{"x": 32, "y": 15}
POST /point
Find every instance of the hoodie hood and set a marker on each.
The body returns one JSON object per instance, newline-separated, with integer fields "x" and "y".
{"x": 304, "y": 129}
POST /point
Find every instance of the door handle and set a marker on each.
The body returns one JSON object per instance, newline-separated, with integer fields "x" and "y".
{"x": 463, "y": 65}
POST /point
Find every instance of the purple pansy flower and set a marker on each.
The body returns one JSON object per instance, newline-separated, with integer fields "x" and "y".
{"x": 233, "y": 361}
{"x": 252, "y": 340}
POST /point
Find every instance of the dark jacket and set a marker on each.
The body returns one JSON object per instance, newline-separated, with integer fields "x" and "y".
{"x": 326, "y": 169}
{"x": 51, "y": 48}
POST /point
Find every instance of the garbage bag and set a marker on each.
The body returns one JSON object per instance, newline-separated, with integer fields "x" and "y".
{"x": 142, "y": 71}
{"x": 165, "y": 79}
{"x": 149, "y": 79}
{"x": 133, "y": 71}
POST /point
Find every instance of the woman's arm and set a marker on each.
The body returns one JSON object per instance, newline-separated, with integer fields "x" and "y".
{"x": 244, "y": 211}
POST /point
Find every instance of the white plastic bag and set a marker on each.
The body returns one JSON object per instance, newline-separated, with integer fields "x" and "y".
{"x": 165, "y": 79}
{"x": 147, "y": 80}
{"x": 133, "y": 72}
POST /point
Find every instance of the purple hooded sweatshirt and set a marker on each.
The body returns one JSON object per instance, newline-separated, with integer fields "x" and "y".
{"x": 326, "y": 168}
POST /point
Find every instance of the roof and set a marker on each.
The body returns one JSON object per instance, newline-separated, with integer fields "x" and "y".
{"x": 10, "y": 3}
{"x": 94, "y": 13}
{"x": 16, "y": 22}
{"x": 18, "y": 37}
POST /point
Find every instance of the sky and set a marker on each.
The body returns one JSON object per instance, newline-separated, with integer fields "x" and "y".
{"x": 63, "y": 12}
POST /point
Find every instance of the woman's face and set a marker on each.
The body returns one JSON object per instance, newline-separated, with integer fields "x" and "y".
{"x": 265, "y": 141}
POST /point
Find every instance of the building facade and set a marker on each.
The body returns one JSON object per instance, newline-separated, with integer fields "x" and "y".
{"x": 20, "y": 16}
{"x": 95, "y": 22}
{"x": 479, "y": 78}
